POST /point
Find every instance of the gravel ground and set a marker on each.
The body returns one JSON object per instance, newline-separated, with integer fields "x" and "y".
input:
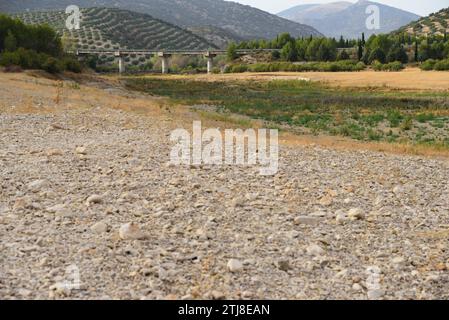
{"x": 90, "y": 192}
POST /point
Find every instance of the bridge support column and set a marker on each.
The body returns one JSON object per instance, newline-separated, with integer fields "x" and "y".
{"x": 121, "y": 65}
{"x": 164, "y": 59}
{"x": 210, "y": 61}
{"x": 121, "y": 62}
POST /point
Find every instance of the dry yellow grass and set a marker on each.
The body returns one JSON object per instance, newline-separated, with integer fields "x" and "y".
{"x": 409, "y": 79}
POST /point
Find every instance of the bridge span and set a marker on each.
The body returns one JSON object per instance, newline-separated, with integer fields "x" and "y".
{"x": 165, "y": 55}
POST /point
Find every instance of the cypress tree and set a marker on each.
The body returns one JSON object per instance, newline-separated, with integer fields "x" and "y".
{"x": 416, "y": 51}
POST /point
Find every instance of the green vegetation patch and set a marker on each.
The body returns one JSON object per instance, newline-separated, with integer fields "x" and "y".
{"x": 367, "y": 115}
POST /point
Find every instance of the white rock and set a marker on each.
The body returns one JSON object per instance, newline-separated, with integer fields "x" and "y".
{"x": 81, "y": 150}
{"x": 375, "y": 294}
{"x": 357, "y": 287}
{"x": 398, "y": 261}
{"x": 356, "y": 214}
{"x": 56, "y": 208}
{"x": 315, "y": 250}
{"x": 234, "y": 265}
{"x": 306, "y": 220}
{"x": 398, "y": 190}
{"x": 94, "y": 199}
{"x": 99, "y": 227}
{"x": 37, "y": 185}
{"x": 130, "y": 231}
{"x": 341, "y": 217}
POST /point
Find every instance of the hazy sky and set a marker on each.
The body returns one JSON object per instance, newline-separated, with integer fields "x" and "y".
{"x": 421, "y": 7}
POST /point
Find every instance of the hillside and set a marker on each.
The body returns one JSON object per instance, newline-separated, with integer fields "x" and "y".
{"x": 107, "y": 28}
{"x": 218, "y": 36}
{"x": 434, "y": 24}
{"x": 347, "y": 19}
{"x": 244, "y": 21}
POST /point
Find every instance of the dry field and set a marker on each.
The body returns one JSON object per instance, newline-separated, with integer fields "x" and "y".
{"x": 409, "y": 79}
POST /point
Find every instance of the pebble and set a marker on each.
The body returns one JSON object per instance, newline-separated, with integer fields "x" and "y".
{"x": 81, "y": 150}
{"x": 375, "y": 294}
{"x": 234, "y": 265}
{"x": 356, "y": 214}
{"x": 94, "y": 199}
{"x": 37, "y": 185}
{"x": 54, "y": 152}
{"x": 131, "y": 231}
{"x": 357, "y": 287}
{"x": 217, "y": 295}
{"x": 341, "y": 218}
{"x": 306, "y": 220}
{"x": 315, "y": 250}
{"x": 99, "y": 227}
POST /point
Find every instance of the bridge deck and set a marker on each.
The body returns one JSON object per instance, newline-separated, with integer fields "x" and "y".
{"x": 166, "y": 52}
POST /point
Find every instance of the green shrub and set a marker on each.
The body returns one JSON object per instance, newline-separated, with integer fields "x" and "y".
{"x": 9, "y": 59}
{"x": 377, "y": 66}
{"x": 392, "y": 66}
{"x": 442, "y": 65}
{"x": 237, "y": 68}
{"x": 338, "y": 66}
{"x": 428, "y": 65}
{"x": 52, "y": 65}
{"x": 72, "y": 64}
{"x": 26, "y": 59}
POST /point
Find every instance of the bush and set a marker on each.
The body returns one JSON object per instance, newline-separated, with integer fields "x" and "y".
{"x": 52, "y": 65}
{"x": 9, "y": 59}
{"x": 72, "y": 64}
{"x": 30, "y": 59}
{"x": 392, "y": 66}
{"x": 237, "y": 68}
{"x": 339, "y": 66}
{"x": 428, "y": 65}
{"x": 442, "y": 65}
{"x": 26, "y": 59}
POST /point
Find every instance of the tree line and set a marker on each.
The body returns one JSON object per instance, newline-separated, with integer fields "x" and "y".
{"x": 33, "y": 47}
{"x": 383, "y": 48}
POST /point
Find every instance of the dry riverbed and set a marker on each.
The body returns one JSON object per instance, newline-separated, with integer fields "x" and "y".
{"x": 85, "y": 186}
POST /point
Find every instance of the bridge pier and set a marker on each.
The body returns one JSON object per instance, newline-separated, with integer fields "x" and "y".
{"x": 121, "y": 62}
{"x": 210, "y": 61}
{"x": 164, "y": 59}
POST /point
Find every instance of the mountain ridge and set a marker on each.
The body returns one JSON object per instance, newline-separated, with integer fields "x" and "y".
{"x": 349, "y": 19}
{"x": 244, "y": 21}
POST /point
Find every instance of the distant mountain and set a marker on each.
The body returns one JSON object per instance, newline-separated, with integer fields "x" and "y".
{"x": 243, "y": 21}
{"x": 434, "y": 24}
{"x": 348, "y": 19}
{"x": 312, "y": 12}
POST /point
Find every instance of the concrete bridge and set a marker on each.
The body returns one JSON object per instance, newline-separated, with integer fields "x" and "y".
{"x": 166, "y": 54}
